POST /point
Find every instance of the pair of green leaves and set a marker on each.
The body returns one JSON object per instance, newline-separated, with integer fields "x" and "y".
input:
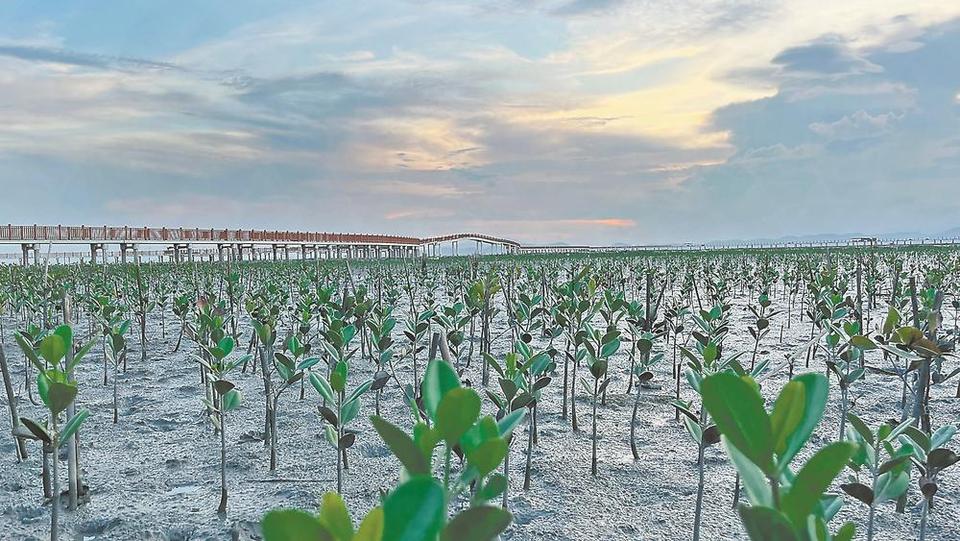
{"x": 333, "y": 523}
{"x": 769, "y": 441}
{"x": 330, "y": 390}
{"x": 265, "y": 332}
{"x": 455, "y": 413}
{"x": 52, "y": 349}
{"x": 223, "y": 348}
{"x": 894, "y": 477}
{"x": 762, "y": 446}
{"x": 414, "y": 511}
{"x": 36, "y": 431}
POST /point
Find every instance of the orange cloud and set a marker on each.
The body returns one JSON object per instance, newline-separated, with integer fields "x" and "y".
{"x": 603, "y": 222}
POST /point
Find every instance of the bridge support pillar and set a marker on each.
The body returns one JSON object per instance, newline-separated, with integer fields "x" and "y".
{"x": 124, "y": 248}
{"x": 27, "y": 248}
{"x": 94, "y": 248}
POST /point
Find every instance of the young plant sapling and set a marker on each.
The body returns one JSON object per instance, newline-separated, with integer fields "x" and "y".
{"x": 784, "y": 506}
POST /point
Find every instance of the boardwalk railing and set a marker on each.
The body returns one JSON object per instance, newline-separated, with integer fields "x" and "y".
{"x": 27, "y": 234}
{"x": 85, "y": 234}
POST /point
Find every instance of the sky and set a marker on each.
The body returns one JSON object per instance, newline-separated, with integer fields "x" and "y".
{"x": 576, "y": 121}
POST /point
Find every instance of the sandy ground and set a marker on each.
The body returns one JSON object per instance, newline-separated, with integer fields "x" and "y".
{"x": 155, "y": 474}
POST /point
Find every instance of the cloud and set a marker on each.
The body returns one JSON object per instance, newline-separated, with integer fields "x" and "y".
{"x": 83, "y": 60}
{"x": 603, "y": 121}
{"x": 827, "y": 56}
{"x": 419, "y": 214}
{"x": 857, "y": 125}
{"x": 582, "y": 7}
{"x": 419, "y": 189}
{"x": 806, "y": 156}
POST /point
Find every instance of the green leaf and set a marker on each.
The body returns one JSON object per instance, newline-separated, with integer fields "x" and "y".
{"x": 61, "y": 395}
{"x": 349, "y": 411}
{"x": 510, "y": 421}
{"x": 862, "y": 342}
{"x": 861, "y": 428}
{"x": 73, "y": 424}
{"x": 66, "y": 334}
{"x": 456, "y": 413}
{"x": 845, "y": 533}
{"x": 36, "y": 429}
{"x": 481, "y": 523}
{"x": 710, "y": 352}
{"x": 29, "y": 351}
{"x": 891, "y": 485}
{"x": 891, "y": 321}
{"x": 787, "y": 414}
{"x": 609, "y": 348}
{"x": 438, "y": 379}
{"x": 264, "y": 332}
{"x": 308, "y": 363}
{"x": 813, "y": 479}
{"x": 331, "y": 436}
{"x": 488, "y": 455}
{"x": 494, "y": 487}
{"x": 43, "y": 388}
{"x": 322, "y": 386}
{"x": 79, "y": 355}
{"x": 815, "y": 392}
{"x": 942, "y": 436}
{"x": 766, "y": 524}
{"x": 52, "y": 349}
{"x": 696, "y": 433}
{"x": 334, "y": 516}
{"x": 232, "y": 400}
{"x": 737, "y": 410}
{"x": 226, "y": 345}
{"x": 347, "y": 333}
{"x": 426, "y": 438}
{"x": 338, "y": 378}
{"x": 293, "y": 525}
{"x": 371, "y": 528}
{"x": 859, "y": 491}
{"x": 415, "y": 511}
{"x": 918, "y": 437}
{"x": 402, "y": 446}
{"x": 754, "y": 480}
{"x": 362, "y": 388}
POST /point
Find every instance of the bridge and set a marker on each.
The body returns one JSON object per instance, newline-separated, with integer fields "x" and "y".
{"x": 180, "y": 244}
{"x": 431, "y": 245}
{"x": 236, "y": 244}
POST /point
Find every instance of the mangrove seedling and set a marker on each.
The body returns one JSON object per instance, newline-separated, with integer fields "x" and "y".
{"x": 57, "y": 390}
{"x": 226, "y": 398}
{"x": 931, "y": 458}
{"x": 600, "y": 347}
{"x": 886, "y": 467}
{"x": 334, "y": 392}
{"x": 784, "y": 506}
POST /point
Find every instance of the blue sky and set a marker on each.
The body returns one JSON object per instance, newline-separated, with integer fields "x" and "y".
{"x": 593, "y": 121}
